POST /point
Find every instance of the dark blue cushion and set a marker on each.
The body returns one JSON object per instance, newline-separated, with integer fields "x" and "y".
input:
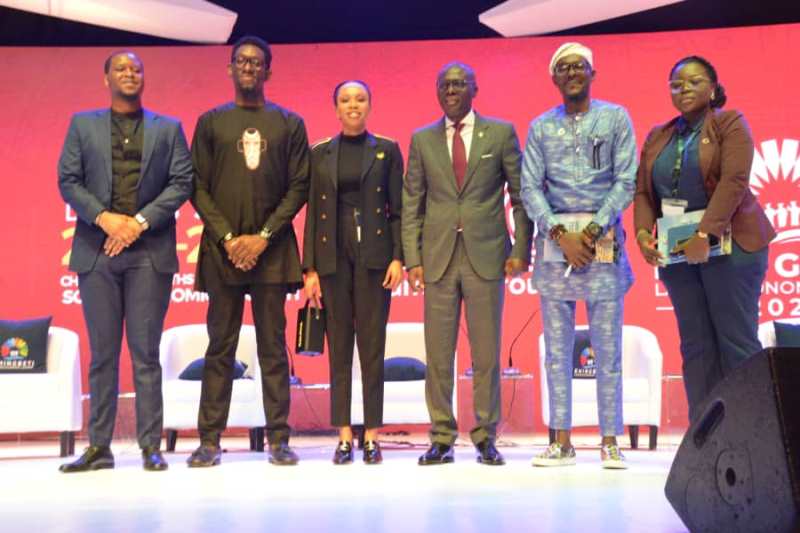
{"x": 194, "y": 372}
{"x": 23, "y": 345}
{"x": 787, "y": 335}
{"x": 403, "y": 369}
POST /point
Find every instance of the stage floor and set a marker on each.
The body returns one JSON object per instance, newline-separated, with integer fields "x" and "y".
{"x": 246, "y": 493}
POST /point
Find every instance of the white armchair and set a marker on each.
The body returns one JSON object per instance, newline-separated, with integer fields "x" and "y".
{"x": 766, "y": 331}
{"x": 183, "y": 344}
{"x": 50, "y": 401}
{"x": 403, "y": 401}
{"x": 641, "y": 386}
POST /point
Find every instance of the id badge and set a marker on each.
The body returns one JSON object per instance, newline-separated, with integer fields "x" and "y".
{"x": 672, "y": 207}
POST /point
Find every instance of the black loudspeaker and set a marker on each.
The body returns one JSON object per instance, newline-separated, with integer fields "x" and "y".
{"x": 738, "y": 467}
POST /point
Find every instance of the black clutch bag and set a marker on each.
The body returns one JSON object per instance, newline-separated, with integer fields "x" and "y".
{"x": 310, "y": 331}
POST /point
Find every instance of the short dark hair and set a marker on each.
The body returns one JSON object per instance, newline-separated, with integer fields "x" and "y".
{"x": 345, "y": 82}
{"x": 468, "y": 70}
{"x": 719, "y": 91}
{"x": 107, "y": 64}
{"x": 258, "y": 42}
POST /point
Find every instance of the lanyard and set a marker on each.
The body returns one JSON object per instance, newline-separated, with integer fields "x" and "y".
{"x": 683, "y": 141}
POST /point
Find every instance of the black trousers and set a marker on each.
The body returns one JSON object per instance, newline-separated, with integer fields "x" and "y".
{"x": 357, "y": 309}
{"x": 125, "y": 289}
{"x": 224, "y": 319}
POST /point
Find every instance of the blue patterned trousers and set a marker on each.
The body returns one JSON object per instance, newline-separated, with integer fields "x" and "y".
{"x": 605, "y": 333}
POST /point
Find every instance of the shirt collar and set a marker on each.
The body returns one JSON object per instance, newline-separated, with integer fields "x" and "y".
{"x": 685, "y": 128}
{"x": 468, "y": 120}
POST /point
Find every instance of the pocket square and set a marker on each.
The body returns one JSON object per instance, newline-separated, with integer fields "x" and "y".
{"x": 486, "y": 156}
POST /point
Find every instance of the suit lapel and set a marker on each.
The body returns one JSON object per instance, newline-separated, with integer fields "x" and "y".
{"x": 333, "y": 161}
{"x": 370, "y": 153}
{"x": 705, "y": 153}
{"x": 150, "y": 133}
{"x": 658, "y": 145}
{"x": 479, "y": 132}
{"x": 442, "y": 154}
{"x": 104, "y": 141}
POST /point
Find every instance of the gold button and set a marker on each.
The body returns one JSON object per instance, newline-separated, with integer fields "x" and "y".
{"x": 378, "y": 210}
{"x": 324, "y": 197}
{"x": 324, "y": 238}
{"x": 378, "y": 189}
{"x": 323, "y": 216}
{"x": 379, "y": 232}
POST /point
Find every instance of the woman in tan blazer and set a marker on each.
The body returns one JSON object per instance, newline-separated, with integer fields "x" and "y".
{"x": 701, "y": 160}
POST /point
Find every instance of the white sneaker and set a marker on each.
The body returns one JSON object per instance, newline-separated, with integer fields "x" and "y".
{"x": 555, "y": 455}
{"x": 612, "y": 458}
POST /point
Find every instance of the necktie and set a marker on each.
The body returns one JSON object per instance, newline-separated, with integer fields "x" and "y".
{"x": 459, "y": 155}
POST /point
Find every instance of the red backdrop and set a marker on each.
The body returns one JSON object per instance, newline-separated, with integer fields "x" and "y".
{"x": 41, "y": 87}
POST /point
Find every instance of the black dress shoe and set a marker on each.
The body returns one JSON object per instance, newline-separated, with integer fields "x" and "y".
{"x": 343, "y": 455}
{"x": 372, "y": 453}
{"x": 281, "y": 454}
{"x": 205, "y": 456}
{"x": 437, "y": 454}
{"x": 488, "y": 454}
{"x": 93, "y": 458}
{"x": 152, "y": 460}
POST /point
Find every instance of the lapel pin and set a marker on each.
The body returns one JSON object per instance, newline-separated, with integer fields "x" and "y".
{"x": 561, "y": 131}
{"x": 380, "y": 155}
{"x": 480, "y": 134}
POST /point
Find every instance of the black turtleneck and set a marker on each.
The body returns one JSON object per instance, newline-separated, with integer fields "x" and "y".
{"x": 351, "y": 157}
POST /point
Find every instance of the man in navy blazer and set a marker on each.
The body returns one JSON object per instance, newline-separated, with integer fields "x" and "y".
{"x": 124, "y": 171}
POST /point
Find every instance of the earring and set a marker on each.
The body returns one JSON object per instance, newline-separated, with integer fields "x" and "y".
{"x": 713, "y": 95}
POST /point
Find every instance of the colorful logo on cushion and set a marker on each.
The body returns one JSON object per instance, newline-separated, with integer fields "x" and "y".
{"x": 14, "y": 355}
{"x": 585, "y": 367}
{"x": 14, "y": 349}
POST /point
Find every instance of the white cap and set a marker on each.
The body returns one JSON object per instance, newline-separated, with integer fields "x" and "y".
{"x": 568, "y": 49}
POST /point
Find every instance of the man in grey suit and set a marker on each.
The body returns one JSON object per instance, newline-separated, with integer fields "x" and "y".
{"x": 457, "y": 247}
{"x": 125, "y": 171}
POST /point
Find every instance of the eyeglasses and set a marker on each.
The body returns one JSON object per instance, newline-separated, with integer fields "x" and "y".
{"x": 676, "y": 86}
{"x": 254, "y": 62}
{"x": 458, "y": 85}
{"x": 565, "y": 68}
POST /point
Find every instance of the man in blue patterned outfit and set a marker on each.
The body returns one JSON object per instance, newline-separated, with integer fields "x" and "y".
{"x": 579, "y": 170}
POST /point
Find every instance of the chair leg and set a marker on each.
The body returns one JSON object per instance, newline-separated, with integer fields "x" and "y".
{"x": 633, "y": 431}
{"x": 172, "y": 439}
{"x": 67, "y": 443}
{"x": 258, "y": 435}
{"x": 358, "y": 435}
{"x": 653, "y": 437}
{"x": 551, "y": 433}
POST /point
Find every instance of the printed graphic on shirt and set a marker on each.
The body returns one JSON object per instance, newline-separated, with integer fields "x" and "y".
{"x": 252, "y": 145}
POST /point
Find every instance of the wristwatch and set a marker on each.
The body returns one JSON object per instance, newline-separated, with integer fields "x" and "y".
{"x": 265, "y": 233}
{"x": 228, "y": 237}
{"x": 701, "y": 234}
{"x": 142, "y": 221}
{"x": 593, "y": 230}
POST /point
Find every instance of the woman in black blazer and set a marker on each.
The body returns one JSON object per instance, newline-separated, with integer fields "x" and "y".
{"x": 353, "y": 256}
